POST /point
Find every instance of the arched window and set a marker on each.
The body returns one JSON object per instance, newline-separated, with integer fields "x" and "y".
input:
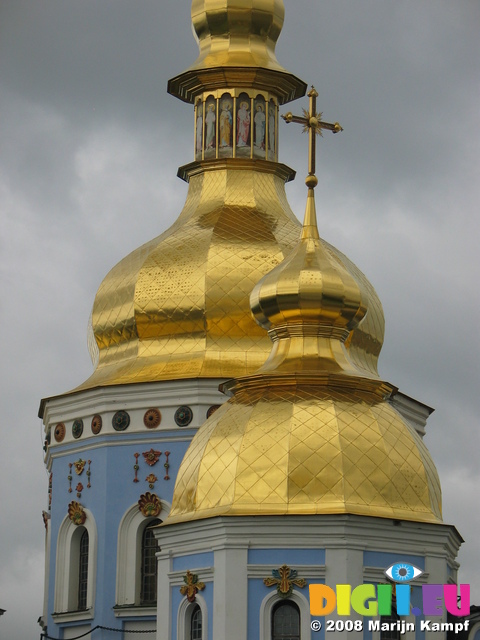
{"x": 192, "y": 619}
{"x": 136, "y": 561}
{"x": 285, "y": 621}
{"x": 196, "y": 624}
{"x": 75, "y": 568}
{"x": 83, "y": 571}
{"x": 148, "y": 585}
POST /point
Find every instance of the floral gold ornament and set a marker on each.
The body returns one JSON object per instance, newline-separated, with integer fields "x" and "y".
{"x": 149, "y": 504}
{"x": 192, "y": 586}
{"x": 76, "y": 513}
{"x": 152, "y": 418}
{"x": 79, "y": 466}
{"x": 151, "y": 457}
{"x": 59, "y": 432}
{"x": 120, "y": 421}
{"x": 77, "y": 428}
{"x": 151, "y": 479}
{"x": 79, "y": 489}
{"x": 97, "y": 423}
{"x": 70, "y": 477}
{"x": 285, "y": 579}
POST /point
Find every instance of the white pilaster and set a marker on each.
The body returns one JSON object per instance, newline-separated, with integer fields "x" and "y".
{"x": 230, "y": 592}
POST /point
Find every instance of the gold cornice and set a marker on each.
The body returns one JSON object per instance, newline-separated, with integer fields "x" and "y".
{"x": 188, "y": 85}
{"x": 200, "y": 167}
{"x": 358, "y": 386}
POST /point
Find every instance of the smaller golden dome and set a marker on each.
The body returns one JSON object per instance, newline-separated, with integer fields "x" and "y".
{"x": 309, "y": 287}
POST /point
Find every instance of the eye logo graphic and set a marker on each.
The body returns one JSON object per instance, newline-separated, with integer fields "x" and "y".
{"x": 402, "y": 572}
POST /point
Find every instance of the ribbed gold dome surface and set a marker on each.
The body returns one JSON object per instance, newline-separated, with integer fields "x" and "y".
{"x": 178, "y": 307}
{"x": 306, "y": 450}
{"x": 237, "y": 32}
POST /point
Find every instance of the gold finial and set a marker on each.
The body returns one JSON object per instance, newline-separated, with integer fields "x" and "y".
{"x": 313, "y": 124}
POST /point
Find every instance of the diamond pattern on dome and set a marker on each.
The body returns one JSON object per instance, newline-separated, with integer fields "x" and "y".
{"x": 310, "y": 450}
{"x": 178, "y": 307}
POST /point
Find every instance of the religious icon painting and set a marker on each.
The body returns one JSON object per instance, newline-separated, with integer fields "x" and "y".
{"x": 271, "y": 130}
{"x": 243, "y": 126}
{"x": 259, "y": 127}
{"x": 210, "y": 127}
{"x": 198, "y": 130}
{"x": 225, "y": 126}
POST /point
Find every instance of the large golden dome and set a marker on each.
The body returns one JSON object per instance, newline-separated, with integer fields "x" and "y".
{"x": 178, "y": 307}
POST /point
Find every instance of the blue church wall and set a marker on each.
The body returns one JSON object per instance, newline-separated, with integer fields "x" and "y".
{"x": 385, "y": 560}
{"x": 287, "y": 556}
{"x": 112, "y": 492}
{"x": 193, "y": 561}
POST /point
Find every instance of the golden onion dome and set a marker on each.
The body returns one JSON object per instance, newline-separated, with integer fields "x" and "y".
{"x": 178, "y": 307}
{"x": 308, "y": 433}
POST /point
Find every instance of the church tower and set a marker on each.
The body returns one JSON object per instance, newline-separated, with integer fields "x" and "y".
{"x": 314, "y": 471}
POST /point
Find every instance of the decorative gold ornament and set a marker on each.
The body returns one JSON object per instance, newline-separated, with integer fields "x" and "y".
{"x": 76, "y": 513}
{"x": 79, "y": 466}
{"x": 149, "y": 504}
{"x": 192, "y": 586}
{"x": 151, "y": 479}
{"x": 285, "y": 579}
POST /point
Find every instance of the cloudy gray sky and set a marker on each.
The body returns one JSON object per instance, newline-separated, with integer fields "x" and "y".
{"x": 90, "y": 145}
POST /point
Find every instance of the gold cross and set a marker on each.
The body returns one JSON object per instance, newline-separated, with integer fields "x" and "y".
{"x": 312, "y": 122}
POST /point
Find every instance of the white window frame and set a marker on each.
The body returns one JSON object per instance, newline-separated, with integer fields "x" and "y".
{"x": 129, "y": 553}
{"x": 266, "y": 614}
{"x": 67, "y": 567}
{"x": 184, "y": 617}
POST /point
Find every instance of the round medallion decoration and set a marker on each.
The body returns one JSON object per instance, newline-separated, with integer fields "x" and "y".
{"x": 183, "y": 416}
{"x": 77, "y": 428}
{"x": 152, "y": 418}
{"x": 212, "y": 409}
{"x": 96, "y": 424}
{"x": 120, "y": 421}
{"x": 59, "y": 432}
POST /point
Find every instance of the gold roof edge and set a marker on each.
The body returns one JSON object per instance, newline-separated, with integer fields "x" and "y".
{"x": 187, "y": 171}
